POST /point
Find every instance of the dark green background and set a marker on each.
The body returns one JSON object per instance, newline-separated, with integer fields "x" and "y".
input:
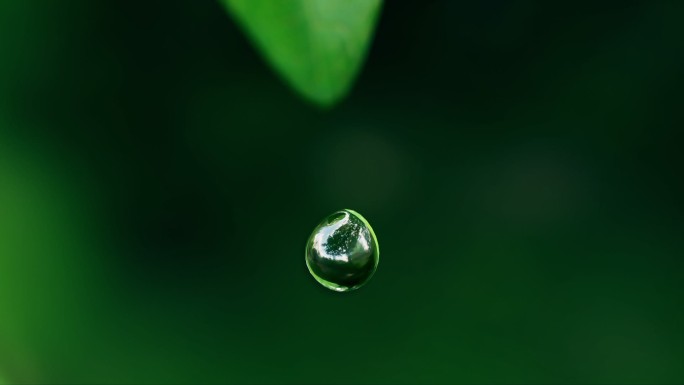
{"x": 520, "y": 162}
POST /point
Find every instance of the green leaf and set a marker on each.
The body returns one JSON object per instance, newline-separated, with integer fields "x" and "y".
{"x": 318, "y": 46}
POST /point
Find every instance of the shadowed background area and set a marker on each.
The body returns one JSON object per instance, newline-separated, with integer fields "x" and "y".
{"x": 520, "y": 163}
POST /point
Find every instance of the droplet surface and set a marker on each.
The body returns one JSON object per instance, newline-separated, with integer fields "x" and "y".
{"x": 342, "y": 252}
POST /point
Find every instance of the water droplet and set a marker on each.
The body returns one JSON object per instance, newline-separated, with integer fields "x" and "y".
{"x": 342, "y": 252}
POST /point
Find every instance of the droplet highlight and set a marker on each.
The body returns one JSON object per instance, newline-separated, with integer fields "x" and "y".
{"x": 342, "y": 252}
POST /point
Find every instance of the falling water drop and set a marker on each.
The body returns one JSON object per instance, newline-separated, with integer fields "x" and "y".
{"x": 342, "y": 252}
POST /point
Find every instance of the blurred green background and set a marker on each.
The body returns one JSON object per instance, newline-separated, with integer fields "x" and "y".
{"x": 520, "y": 162}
